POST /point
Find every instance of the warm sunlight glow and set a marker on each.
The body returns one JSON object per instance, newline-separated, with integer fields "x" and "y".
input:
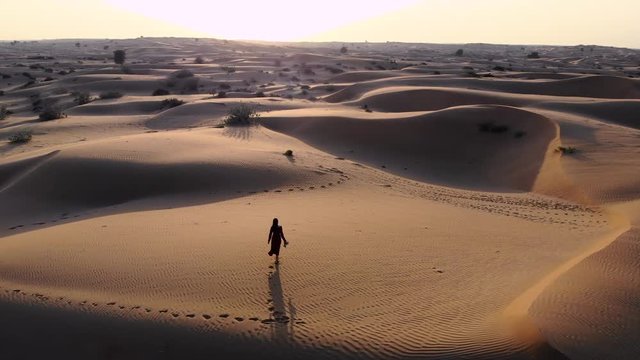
{"x": 262, "y": 20}
{"x": 436, "y": 21}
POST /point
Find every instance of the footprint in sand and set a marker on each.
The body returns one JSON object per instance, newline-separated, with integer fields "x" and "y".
{"x": 224, "y": 315}
{"x": 191, "y": 316}
{"x": 147, "y": 310}
{"x": 175, "y": 315}
{"x": 206, "y": 316}
{"x": 164, "y": 311}
{"x": 254, "y": 319}
{"x": 111, "y": 303}
{"x": 268, "y": 321}
{"x": 239, "y": 319}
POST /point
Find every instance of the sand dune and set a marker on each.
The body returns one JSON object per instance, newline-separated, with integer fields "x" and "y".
{"x": 482, "y": 206}
{"x": 429, "y": 147}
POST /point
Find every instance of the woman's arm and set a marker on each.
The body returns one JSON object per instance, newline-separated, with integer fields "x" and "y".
{"x": 270, "y": 233}
{"x": 282, "y": 233}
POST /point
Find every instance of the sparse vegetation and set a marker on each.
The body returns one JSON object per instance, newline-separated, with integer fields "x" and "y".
{"x": 51, "y": 113}
{"x": 182, "y": 74}
{"x": 344, "y": 50}
{"x": 228, "y": 69}
{"x": 242, "y": 115}
{"x": 21, "y": 137}
{"x": 459, "y": 52}
{"x": 199, "y": 60}
{"x": 160, "y": 92}
{"x": 260, "y": 94}
{"x": 82, "y": 98}
{"x": 4, "y": 112}
{"x": 533, "y": 55}
{"x": 566, "y": 150}
{"x": 110, "y": 95}
{"x": 288, "y": 153}
{"x": 171, "y": 103}
{"x": 119, "y": 57}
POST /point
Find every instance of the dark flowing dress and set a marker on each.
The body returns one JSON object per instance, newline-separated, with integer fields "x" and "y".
{"x": 276, "y": 240}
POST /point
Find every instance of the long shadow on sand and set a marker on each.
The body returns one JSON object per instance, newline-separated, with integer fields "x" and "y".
{"x": 283, "y": 314}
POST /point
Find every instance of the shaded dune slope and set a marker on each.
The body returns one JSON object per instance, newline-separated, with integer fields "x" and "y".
{"x": 592, "y": 86}
{"x": 116, "y": 171}
{"x": 443, "y": 147}
{"x": 620, "y": 112}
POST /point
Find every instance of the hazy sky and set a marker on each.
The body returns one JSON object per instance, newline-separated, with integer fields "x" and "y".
{"x": 443, "y": 21}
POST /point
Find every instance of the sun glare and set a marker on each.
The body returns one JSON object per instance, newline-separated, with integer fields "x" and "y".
{"x": 282, "y": 20}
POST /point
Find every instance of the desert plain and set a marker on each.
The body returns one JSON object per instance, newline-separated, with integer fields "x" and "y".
{"x": 440, "y": 204}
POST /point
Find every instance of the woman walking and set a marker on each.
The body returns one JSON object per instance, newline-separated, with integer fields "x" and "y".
{"x": 276, "y": 236}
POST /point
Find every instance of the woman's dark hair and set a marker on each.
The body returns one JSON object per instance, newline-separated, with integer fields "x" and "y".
{"x": 275, "y": 222}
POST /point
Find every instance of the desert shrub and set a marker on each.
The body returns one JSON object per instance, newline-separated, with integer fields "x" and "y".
{"x": 160, "y": 92}
{"x": 4, "y": 112}
{"x": 224, "y": 86}
{"x": 242, "y": 115}
{"x": 182, "y": 74}
{"x": 82, "y": 98}
{"x": 344, "y": 50}
{"x": 199, "y": 60}
{"x": 334, "y": 70}
{"x": 566, "y": 149}
{"x": 110, "y": 95}
{"x": 28, "y": 75}
{"x": 6, "y": 76}
{"x": 288, "y": 153}
{"x": 459, "y": 52}
{"x": 119, "y": 57}
{"x": 228, "y": 69}
{"x": 366, "y": 108}
{"x": 305, "y": 87}
{"x": 20, "y": 137}
{"x": 48, "y": 78}
{"x": 1, "y": 92}
{"x": 222, "y": 94}
{"x": 260, "y": 94}
{"x": 330, "y": 88}
{"x": 51, "y": 113}
{"x": 498, "y": 68}
{"x": 533, "y": 55}
{"x": 171, "y": 103}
